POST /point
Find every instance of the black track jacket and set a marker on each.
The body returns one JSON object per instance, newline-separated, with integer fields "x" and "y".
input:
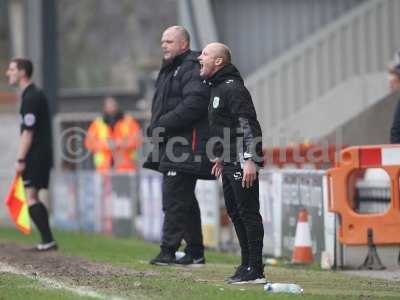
{"x": 231, "y": 110}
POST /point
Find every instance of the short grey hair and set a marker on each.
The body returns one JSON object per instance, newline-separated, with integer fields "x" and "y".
{"x": 182, "y": 32}
{"x": 226, "y": 54}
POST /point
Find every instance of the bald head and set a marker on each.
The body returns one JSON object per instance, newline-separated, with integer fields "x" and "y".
{"x": 174, "y": 41}
{"x": 180, "y": 32}
{"x": 213, "y": 58}
{"x": 220, "y": 50}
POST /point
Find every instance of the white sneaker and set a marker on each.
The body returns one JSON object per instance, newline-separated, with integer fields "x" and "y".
{"x": 47, "y": 246}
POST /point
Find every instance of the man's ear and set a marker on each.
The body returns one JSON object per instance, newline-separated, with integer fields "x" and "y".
{"x": 219, "y": 61}
{"x": 22, "y": 73}
{"x": 184, "y": 44}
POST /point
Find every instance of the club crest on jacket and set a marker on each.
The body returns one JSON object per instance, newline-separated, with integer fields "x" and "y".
{"x": 216, "y": 102}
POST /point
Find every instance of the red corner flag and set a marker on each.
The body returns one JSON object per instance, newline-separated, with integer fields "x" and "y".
{"x": 17, "y": 205}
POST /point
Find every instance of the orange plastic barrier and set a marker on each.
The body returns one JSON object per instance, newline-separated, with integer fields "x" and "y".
{"x": 354, "y": 227}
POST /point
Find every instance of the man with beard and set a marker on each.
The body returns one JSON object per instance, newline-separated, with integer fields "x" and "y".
{"x": 232, "y": 116}
{"x": 179, "y": 130}
{"x": 114, "y": 139}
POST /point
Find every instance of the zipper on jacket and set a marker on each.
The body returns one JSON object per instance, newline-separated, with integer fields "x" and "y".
{"x": 193, "y": 139}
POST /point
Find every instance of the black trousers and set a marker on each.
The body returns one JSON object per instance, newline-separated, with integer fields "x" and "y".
{"x": 243, "y": 208}
{"x": 181, "y": 214}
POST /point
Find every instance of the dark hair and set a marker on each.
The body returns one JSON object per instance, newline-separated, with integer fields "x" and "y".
{"x": 24, "y": 64}
{"x": 395, "y": 70}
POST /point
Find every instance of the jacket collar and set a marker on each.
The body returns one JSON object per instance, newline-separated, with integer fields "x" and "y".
{"x": 177, "y": 60}
{"x": 28, "y": 87}
{"x": 229, "y": 71}
{"x": 111, "y": 120}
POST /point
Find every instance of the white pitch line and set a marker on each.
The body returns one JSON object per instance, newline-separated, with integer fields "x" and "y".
{"x": 54, "y": 284}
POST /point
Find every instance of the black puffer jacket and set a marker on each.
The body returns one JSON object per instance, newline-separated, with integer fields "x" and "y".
{"x": 395, "y": 129}
{"x": 180, "y": 108}
{"x": 231, "y": 109}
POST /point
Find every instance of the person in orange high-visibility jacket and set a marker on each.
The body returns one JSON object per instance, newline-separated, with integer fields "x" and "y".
{"x": 114, "y": 139}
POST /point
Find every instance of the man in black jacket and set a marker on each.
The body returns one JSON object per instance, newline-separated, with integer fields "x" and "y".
{"x": 179, "y": 129}
{"x": 233, "y": 120}
{"x": 394, "y": 84}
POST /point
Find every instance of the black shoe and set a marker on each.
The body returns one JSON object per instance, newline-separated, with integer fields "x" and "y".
{"x": 239, "y": 270}
{"x": 163, "y": 259}
{"x": 189, "y": 260}
{"x": 252, "y": 275}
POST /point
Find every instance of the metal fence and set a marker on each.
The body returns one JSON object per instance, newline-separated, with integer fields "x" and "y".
{"x": 130, "y": 204}
{"x": 282, "y": 194}
{"x": 93, "y": 202}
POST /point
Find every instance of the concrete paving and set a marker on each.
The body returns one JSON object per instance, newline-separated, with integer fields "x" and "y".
{"x": 355, "y": 255}
{"x": 388, "y": 274}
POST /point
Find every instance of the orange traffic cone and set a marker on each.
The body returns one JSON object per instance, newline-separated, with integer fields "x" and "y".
{"x": 302, "y": 252}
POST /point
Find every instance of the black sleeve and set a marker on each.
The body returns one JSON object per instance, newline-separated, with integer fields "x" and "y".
{"x": 194, "y": 104}
{"x": 243, "y": 111}
{"x": 395, "y": 130}
{"x": 30, "y": 113}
